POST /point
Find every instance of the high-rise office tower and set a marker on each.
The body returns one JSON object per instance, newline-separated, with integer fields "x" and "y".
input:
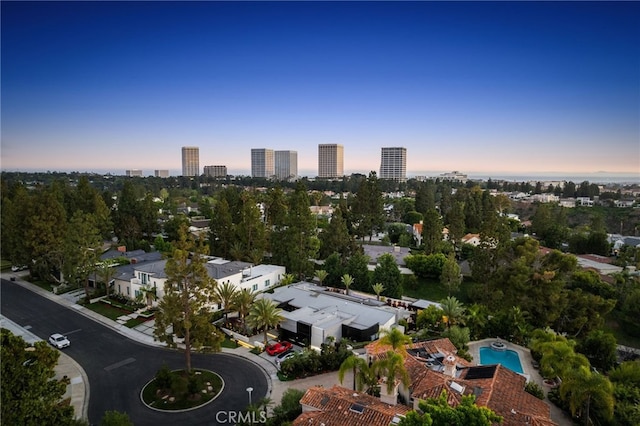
{"x": 393, "y": 163}
{"x": 330, "y": 160}
{"x": 286, "y": 164}
{"x": 215, "y": 171}
{"x": 262, "y": 163}
{"x": 190, "y": 161}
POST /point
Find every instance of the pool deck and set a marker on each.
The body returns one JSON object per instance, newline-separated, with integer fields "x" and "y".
{"x": 557, "y": 415}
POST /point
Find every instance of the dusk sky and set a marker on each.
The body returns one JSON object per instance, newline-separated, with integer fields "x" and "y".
{"x": 491, "y": 88}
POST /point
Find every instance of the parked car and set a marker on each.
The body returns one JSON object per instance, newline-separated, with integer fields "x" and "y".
{"x": 59, "y": 341}
{"x": 278, "y": 348}
{"x": 283, "y": 357}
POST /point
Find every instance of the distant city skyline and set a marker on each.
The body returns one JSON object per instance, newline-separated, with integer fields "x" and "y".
{"x": 487, "y": 88}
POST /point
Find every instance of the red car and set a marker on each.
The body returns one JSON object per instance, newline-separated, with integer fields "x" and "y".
{"x": 278, "y": 348}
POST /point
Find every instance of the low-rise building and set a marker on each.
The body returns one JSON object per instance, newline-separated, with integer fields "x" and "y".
{"x": 313, "y": 313}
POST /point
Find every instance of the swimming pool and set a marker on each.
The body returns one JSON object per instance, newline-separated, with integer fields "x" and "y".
{"x": 507, "y": 358}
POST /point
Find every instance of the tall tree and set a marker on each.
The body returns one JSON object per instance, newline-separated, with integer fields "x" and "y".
{"x": 250, "y": 231}
{"x": 242, "y": 301}
{"x": 189, "y": 292}
{"x": 222, "y": 230}
{"x": 432, "y": 231}
{"x": 83, "y": 246}
{"x": 336, "y": 238}
{"x": 363, "y": 376}
{"x": 392, "y": 369}
{"x": 264, "y": 314}
{"x": 451, "y": 277}
{"x": 30, "y": 393}
{"x": 388, "y": 274}
{"x": 455, "y": 222}
{"x": 395, "y": 338}
{"x": 453, "y": 310}
{"x": 225, "y": 295}
{"x": 297, "y": 242}
{"x": 45, "y": 232}
{"x": 358, "y": 268}
{"x": 368, "y": 207}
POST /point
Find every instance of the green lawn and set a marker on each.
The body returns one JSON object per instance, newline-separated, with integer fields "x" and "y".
{"x": 5, "y": 265}
{"x": 107, "y": 310}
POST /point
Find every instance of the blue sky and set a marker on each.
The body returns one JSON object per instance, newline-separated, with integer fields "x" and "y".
{"x": 492, "y": 88}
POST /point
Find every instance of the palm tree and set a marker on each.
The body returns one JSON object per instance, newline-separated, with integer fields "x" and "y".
{"x": 559, "y": 358}
{"x": 395, "y": 338}
{"x": 264, "y": 314}
{"x": 363, "y": 375}
{"x": 322, "y": 275}
{"x": 453, "y": 310}
{"x": 347, "y": 280}
{"x": 287, "y": 279}
{"x": 106, "y": 273}
{"x": 242, "y": 302}
{"x": 377, "y": 289}
{"x": 225, "y": 295}
{"x": 582, "y": 386}
{"x": 476, "y": 319}
{"x": 392, "y": 369}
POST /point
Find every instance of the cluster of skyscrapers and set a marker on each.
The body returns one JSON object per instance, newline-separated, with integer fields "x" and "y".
{"x": 283, "y": 165}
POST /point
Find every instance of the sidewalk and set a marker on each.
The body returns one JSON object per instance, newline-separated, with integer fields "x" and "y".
{"x": 79, "y": 390}
{"x": 78, "y": 387}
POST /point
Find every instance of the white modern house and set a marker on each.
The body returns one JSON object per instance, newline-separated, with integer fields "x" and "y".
{"x": 147, "y": 279}
{"x": 313, "y": 313}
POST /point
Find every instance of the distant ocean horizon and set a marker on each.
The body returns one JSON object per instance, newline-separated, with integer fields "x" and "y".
{"x": 596, "y": 177}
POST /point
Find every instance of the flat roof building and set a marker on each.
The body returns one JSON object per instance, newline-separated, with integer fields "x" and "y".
{"x": 133, "y": 172}
{"x": 161, "y": 173}
{"x": 262, "y": 163}
{"x": 215, "y": 171}
{"x": 393, "y": 163}
{"x": 190, "y": 161}
{"x": 286, "y": 165}
{"x": 330, "y": 160}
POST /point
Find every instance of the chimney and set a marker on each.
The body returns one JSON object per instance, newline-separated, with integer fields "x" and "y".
{"x": 388, "y": 398}
{"x": 449, "y": 365}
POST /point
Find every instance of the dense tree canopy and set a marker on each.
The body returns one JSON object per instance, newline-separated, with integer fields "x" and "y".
{"x": 30, "y": 393}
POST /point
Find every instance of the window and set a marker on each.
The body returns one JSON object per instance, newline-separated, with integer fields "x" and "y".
{"x": 255, "y": 287}
{"x": 127, "y": 291}
{"x": 267, "y": 283}
{"x": 137, "y": 293}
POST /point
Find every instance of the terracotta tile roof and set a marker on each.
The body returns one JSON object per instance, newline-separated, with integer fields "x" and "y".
{"x": 495, "y": 387}
{"x": 430, "y": 346}
{"x": 339, "y": 406}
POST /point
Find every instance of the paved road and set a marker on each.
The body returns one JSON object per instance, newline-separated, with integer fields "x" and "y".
{"x": 118, "y": 368}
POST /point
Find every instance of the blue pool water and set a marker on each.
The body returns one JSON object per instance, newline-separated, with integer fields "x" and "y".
{"x": 507, "y": 358}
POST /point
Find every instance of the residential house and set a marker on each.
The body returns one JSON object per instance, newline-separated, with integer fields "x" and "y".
{"x": 433, "y": 366}
{"x": 473, "y": 239}
{"x": 339, "y": 406}
{"x": 138, "y": 279}
{"x": 313, "y": 313}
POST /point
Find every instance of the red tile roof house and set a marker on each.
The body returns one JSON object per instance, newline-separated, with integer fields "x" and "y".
{"x": 433, "y": 366}
{"x": 340, "y": 406}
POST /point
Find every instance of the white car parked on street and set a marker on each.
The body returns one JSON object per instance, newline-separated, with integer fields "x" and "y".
{"x": 59, "y": 341}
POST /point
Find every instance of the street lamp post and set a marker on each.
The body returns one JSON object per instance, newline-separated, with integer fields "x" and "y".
{"x": 249, "y": 389}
